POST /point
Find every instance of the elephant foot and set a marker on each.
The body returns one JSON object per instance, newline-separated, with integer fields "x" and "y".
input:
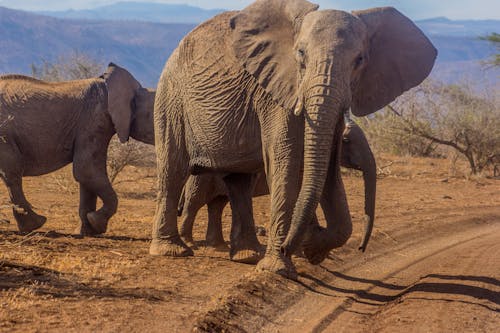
{"x": 314, "y": 245}
{"x": 98, "y": 222}
{"x": 316, "y": 258}
{"x": 279, "y": 265}
{"x": 246, "y": 256}
{"x": 216, "y": 243}
{"x": 188, "y": 239}
{"x": 220, "y": 247}
{"x": 84, "y": 230}
{"x": 298, "y": 253}
{"x": 186, "y": 233}
{"x": 172, "y": 248}
{"x": 245, "y": 249}
{"x": 28, "y": 221}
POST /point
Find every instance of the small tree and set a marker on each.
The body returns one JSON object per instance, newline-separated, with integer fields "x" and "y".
{"x": 69, "y": 67}
{"x": 495, "y": 39}
{"x": 452, "y": 116}
{"x": 385, "y": 133}
{"x": 121, "y": 155}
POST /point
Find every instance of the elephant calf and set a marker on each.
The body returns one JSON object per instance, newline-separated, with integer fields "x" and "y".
{"x": 211, "y": 190}
{"x": 45, "y": 126}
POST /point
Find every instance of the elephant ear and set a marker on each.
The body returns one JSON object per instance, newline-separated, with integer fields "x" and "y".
{"x": 263, "y": 40}
{"x": 122, "y": 87}
{"x": 399, "y": 58}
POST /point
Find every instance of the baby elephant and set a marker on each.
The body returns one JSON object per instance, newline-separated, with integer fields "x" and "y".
{"x": 216, "y": 191}
{"x": 45, "y": 126}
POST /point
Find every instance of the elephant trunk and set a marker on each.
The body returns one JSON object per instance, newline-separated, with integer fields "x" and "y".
{"x": 370, "y": 181}
{"x": 321, "y": 120}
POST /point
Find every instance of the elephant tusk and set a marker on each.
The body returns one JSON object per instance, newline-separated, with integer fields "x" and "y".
{"x": 299, "y": 107}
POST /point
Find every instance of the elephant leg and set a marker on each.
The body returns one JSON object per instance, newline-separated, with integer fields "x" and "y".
{"x": 97, "y": 219}
{"x": 172, "y": 174}
{"x": 11, "y": 174}
{"x": 282, "y": 165}
{"x": 187, "y": 222}
{"x": 89, "y": 170}
{"x": 245, "y": 247}
{"x": 193, "y": 198}
{"x": 88, "y": 203}
{"x": 27, "y": 220}
{"x": 214, "y": 235}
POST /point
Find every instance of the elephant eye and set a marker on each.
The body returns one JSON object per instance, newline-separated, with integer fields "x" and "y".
{"x": 359, "y": 60}
{"x": 301, "y": 56}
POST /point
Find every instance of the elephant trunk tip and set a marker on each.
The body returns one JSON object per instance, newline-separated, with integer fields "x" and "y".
{"x": 368, "y": 232}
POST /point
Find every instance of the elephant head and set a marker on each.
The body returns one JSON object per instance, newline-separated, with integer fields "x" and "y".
{"x": 356, "y": 154}
{"x": 142, "y": 127}
{"x": 317, "y": 64}
{"x": 129, "y": 105}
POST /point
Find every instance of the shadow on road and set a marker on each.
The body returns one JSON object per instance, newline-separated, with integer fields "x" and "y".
{"x": 44, "y": 281}
{"x": 367, "y": 295}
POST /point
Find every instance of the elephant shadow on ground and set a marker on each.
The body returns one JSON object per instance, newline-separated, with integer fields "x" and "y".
{"x": 124, "y": 238}
{"x": 205, "y": 249}
{"x": 133, "y": 195}
{"x": 57, "y": 235}
{"x": 378, "y": 293}
{"x": 47, "y": 234}
{"x": 41, "y": 281}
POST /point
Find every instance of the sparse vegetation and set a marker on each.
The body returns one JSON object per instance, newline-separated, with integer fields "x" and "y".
{"x": 130, "y": 153}
{"x": 495, "y": 39}
{"x": 435, "y": 119}
{"x": 69, "y": 67}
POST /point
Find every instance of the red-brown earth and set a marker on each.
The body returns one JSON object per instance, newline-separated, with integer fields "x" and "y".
{"x": 433, "y": 264}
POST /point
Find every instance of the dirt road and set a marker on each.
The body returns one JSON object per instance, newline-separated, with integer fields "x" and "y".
{"x": 443, "y": 284}
{"x": 431, "y": 266}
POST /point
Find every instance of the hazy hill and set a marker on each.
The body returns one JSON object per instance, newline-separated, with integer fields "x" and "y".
{"x": 459, "y": 28}
{"x": 141, "y": 47}
{"x": 151, "y": 12}
{"x": 461, "y": 53}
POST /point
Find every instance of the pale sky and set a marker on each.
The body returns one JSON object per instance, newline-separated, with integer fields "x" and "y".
{"x": 416, "y": 9}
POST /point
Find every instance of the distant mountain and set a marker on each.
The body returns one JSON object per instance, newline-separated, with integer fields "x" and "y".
{"x": 460, "y": 28}
{"x": 141, "y": 47}
{"x": 461, "y": 53}
{"x": 151, "y": 12}
{"x": 144, "y": 47}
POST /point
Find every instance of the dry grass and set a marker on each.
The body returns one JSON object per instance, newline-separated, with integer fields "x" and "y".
{"x": 65, "y": 181}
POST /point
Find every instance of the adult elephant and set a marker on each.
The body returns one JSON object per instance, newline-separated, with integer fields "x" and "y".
{"x": 210, "y": 189}
{"x": 268, "y": 85}
{"x": 45, "y": 126}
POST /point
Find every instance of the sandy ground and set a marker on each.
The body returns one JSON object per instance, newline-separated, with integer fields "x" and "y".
{"x": 433, "y": 265}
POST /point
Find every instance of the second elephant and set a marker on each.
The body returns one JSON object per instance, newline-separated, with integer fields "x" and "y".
{"x": 211, "y": 190}
{"x": 45, "y": 126}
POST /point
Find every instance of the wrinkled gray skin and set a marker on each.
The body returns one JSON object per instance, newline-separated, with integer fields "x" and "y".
{"x": 210, "y": 190}
{"x": 45, "y": 126}
{"x": 267, "y": 86}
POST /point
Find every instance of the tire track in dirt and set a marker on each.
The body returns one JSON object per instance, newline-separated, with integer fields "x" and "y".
{"x": 346, "y": 316}
{"x": 348, "y": 296}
